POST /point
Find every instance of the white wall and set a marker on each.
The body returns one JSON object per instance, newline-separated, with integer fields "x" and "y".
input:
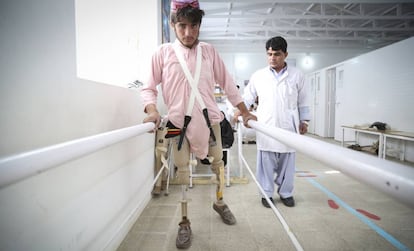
{"x": 309, "y": 62}
{"x": 376, "y": 86}
{"x": 243, "y": 65}
{"x": 89, "y": 203}
{"x": 115, "y": 39}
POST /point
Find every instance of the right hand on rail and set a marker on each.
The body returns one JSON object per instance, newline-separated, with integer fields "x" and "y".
{"x": 245, "y": 113}
{"x": 152, "y": 116}
{"x": 248, "y": 116}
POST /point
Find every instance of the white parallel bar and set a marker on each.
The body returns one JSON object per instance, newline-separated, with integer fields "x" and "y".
{"x": 240, "y": 146}
{"x": 158, "y": 175}
{"x": 242, "y": 161}
{"x": 389, "y": 177}
{"x": 286, "y": 227}
{"x": 21, "y": 166}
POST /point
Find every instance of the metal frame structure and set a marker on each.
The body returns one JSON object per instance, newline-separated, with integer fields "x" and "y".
{"x": 243, "y": 26}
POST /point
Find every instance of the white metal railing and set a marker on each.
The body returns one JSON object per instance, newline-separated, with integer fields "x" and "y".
{"x": 292, "y": 237}
{"x": 21, "y": 166}
{"x": 243, "y": 162}
{"x": 392, "y": 178}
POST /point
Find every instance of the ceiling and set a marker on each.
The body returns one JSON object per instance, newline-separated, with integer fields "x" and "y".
{"x": 308, "y": 26}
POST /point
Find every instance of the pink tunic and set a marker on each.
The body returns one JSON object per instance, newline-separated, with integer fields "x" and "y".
{"x": 166, "y": 70}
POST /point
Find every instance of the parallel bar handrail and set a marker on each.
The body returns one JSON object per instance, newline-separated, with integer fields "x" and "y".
{"x": 282, "y": 220}
{"x": 21, "y": 166}
{"x": 240, "y": 146}
{"x": 392, "y": 178}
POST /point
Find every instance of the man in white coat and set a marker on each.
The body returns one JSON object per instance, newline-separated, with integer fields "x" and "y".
{"x": 283, "y": 96}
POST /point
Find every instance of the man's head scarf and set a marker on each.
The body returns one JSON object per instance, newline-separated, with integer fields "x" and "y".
{"x": 178, "y": 4}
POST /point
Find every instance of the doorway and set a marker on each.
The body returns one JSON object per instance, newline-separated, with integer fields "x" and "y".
{"x": 339, "y": 93}
{"x": 331, "y": 99}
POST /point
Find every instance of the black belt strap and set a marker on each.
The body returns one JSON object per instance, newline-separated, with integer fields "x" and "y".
{"x": 187, "y": 120}
{"x": 205, "y": 113}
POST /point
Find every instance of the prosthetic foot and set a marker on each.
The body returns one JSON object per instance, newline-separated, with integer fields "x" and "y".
{"x": 184, "y": 235}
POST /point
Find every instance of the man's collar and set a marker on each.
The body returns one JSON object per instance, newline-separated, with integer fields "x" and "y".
{"x": 185, "y": 47}
{"x": 281, "y": 71}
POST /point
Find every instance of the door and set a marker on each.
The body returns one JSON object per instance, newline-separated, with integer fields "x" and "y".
{"x": 312, "y": 122}
{"x": 330, "y": 81}
{"x": 318, "y": 114}
{"x": 339, "y": 95}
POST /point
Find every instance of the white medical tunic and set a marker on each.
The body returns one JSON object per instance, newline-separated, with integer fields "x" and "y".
{"x": 283, "y": 102}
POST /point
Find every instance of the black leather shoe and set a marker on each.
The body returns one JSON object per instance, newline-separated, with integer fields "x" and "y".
{"x": 289, "y": 202}
{"x": 265, "y": 204}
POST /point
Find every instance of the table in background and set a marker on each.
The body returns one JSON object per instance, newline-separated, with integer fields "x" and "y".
{"x": 402, "y": 136}
{"x": 382, "y": 138}
{"x": 359, "y": 130}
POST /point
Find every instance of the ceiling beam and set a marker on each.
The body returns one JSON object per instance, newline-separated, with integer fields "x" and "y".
{"x": 255, "y": 28}
{"x": 258, "y": 17}
{"x": 310, "y": 1}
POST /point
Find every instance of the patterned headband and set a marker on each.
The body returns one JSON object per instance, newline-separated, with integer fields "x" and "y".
{"x": 178, "y": 4}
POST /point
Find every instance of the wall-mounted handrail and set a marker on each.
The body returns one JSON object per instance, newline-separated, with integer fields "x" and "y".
{"x": 21, "y": 166}
{"x": 392, "y": 178}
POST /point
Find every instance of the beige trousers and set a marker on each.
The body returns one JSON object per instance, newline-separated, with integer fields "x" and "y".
{"x": 182, "y": 160}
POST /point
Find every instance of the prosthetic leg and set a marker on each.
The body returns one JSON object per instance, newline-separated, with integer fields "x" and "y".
{"x": 219, "y": 171}
{"x": 161, "y": 156}
{"x": 219, "y": 206}
{"x": 184, "y": 232}
{"x": 217, "y": 166}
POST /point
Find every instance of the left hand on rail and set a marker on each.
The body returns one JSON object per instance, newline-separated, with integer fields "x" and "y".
{"x": 303, "y": 127}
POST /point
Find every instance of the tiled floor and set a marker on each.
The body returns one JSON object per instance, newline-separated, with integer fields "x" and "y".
{"x": 364, "y": 219}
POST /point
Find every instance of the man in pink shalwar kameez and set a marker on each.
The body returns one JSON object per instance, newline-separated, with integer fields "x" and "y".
{"x": 187, "y": 71}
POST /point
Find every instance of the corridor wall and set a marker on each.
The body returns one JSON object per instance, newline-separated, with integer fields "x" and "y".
{"x": 89, "y": 203}
{"x": 376, "y": 86}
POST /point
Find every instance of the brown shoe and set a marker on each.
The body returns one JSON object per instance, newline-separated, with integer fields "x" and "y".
{"x": 225, "y": 213}
{"x": 184, "y": 235}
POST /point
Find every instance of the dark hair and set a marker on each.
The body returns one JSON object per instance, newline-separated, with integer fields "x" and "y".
{"x": 276, "y": 43}
{"x": 194, "y": 15}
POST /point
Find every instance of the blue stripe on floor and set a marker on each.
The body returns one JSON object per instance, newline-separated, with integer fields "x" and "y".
{"x": 364, "y": 219}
